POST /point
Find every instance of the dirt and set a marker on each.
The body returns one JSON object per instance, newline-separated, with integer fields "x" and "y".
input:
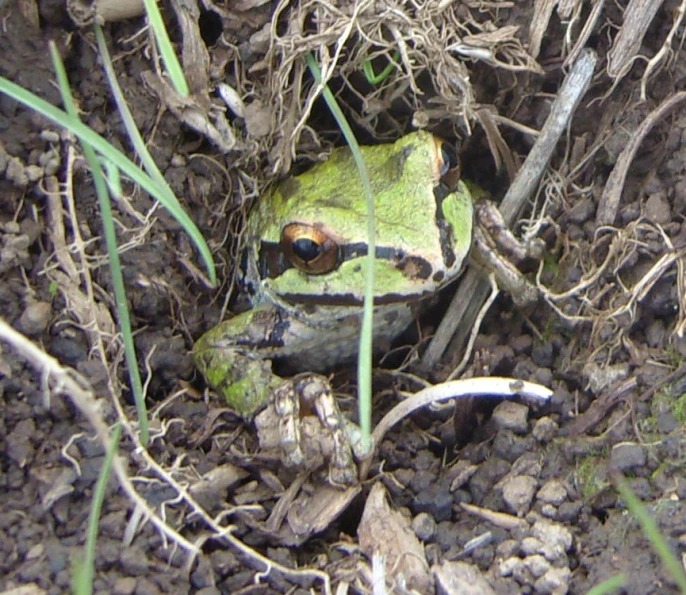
{"x": 534, "y": 483}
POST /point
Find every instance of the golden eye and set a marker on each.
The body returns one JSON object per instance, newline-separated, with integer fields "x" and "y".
{"x": 309, "y": 248}
{"x": 449, "y": 163}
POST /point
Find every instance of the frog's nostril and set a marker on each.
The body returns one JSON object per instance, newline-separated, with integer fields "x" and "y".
{"x": 449, "y": 156}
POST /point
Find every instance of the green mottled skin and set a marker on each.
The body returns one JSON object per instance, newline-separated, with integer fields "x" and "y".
{"x": 233, "y": 356}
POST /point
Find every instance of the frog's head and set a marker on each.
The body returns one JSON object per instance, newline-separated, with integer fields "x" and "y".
{"x": 308, "y": 238}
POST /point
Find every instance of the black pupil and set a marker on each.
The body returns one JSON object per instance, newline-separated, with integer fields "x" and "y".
{"x": 449, "y": 158}
{"x": 306, "y": 249}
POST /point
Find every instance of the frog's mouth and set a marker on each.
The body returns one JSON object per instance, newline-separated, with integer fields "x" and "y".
{"x": 349, "y": 299}
{"x": 273, "y": 262}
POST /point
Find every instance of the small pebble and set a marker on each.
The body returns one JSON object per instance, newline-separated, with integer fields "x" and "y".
{"x": 549, "y": 511}
{"x": 522, "y": 575}
{"x": 146, "y": 587}
{"x": 530, "y": 546}
{"x": 507, "y": 548}
{"x": 568, "y": 512}
{"x": 509, "y": 415}
{"x": 522, "y": 344}
{"x": 545, "y": 429}
{"x": 537, "y": 565}
{"x": 543, "y": 376}
{"x": 553, "y": 582}
{"x": 627, "y": 456}
{"x": 461, "y": 577}
{"x": 125, "y": 585}
{"x": 50, "y": 136}
{"x": 518, "y": 493}
{"x": 15, "y": 172}
{"x": 657, "y": 209}
{"x": 553, "y": 492}
{"x": 203, "y": 576}
{"x": 557, "y": 540}
{"x": 34, "y": 173}
{"x": 133, "y": 561}
{"x": 543, "y": 356}
{"x": 424, "y": 526}
{"x": 582, "y": 210}
{"x": 655, "y": 333}
{"x": 35, "y": 318}
{"x": 435, "y": 500}
{"x": 508, "y": 567}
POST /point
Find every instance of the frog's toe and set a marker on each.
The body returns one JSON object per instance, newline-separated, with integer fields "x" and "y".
{"x": 342, "y": 470}
{"x": 304, "y": 440}
{"x": 343, "y": 476}
{"x": 287, "y": 408}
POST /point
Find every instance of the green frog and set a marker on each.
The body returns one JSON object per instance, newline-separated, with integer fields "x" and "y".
{"x": 303, "y": 273}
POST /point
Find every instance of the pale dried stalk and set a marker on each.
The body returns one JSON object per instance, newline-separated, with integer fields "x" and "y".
{"x": 638, "y": 16}
{"x": 666, "y": 48}
{"x": 543, "y": 10}
{"x": 586, "y": 31}
{"x": 84, "y": 12}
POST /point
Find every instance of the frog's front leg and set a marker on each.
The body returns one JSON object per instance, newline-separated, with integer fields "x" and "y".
{"x": 235, "y": 359}
{"x": 309, "y": 440}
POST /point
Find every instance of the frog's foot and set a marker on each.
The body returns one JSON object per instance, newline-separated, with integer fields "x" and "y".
{"x": 307, "y": 440}
{"x": 497, "y": 249}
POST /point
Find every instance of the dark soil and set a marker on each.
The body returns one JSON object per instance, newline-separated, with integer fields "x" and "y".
{"x": 616, "y": 369}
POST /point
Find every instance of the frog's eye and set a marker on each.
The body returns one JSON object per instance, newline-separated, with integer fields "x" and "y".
{"x": 449, "y": 163}
{"x": 309, "y": 248}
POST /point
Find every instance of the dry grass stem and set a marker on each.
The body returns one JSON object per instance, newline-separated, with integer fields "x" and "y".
{"x": 610, "y": 199}
{"x": 638, "y": 16}
{"x": 655, "y": 63}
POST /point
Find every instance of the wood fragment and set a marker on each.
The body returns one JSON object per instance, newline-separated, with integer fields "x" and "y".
{"x": 638, "y": 16}
{"x": 386, "y": 532}
{"x": 543, "y": 10}
{"x": 84, "y": 12}
{"x": 601, "y": 407}
{"x": 499, "y": 519}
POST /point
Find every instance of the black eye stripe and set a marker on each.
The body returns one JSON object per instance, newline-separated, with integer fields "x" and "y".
{"x": 272, "y": 261}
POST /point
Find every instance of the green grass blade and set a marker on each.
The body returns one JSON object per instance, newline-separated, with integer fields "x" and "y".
{"x": 171, "y": 62}
{"x": 112, "y": 154}
{"x": 84, "y": 571}
{"x": 137, "y": 141}
{"x": 652, "y": 533}
{"x": 364, "y": 360}
{"x": 102, "y": 193}
{"x": 375, "y": 79}
{"x": 614, "y": 583}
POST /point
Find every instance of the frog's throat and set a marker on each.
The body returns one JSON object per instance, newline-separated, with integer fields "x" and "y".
{"x": 347, "y": 299}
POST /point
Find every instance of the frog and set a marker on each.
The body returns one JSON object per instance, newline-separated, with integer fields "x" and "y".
{"x": 303, "y": 273}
